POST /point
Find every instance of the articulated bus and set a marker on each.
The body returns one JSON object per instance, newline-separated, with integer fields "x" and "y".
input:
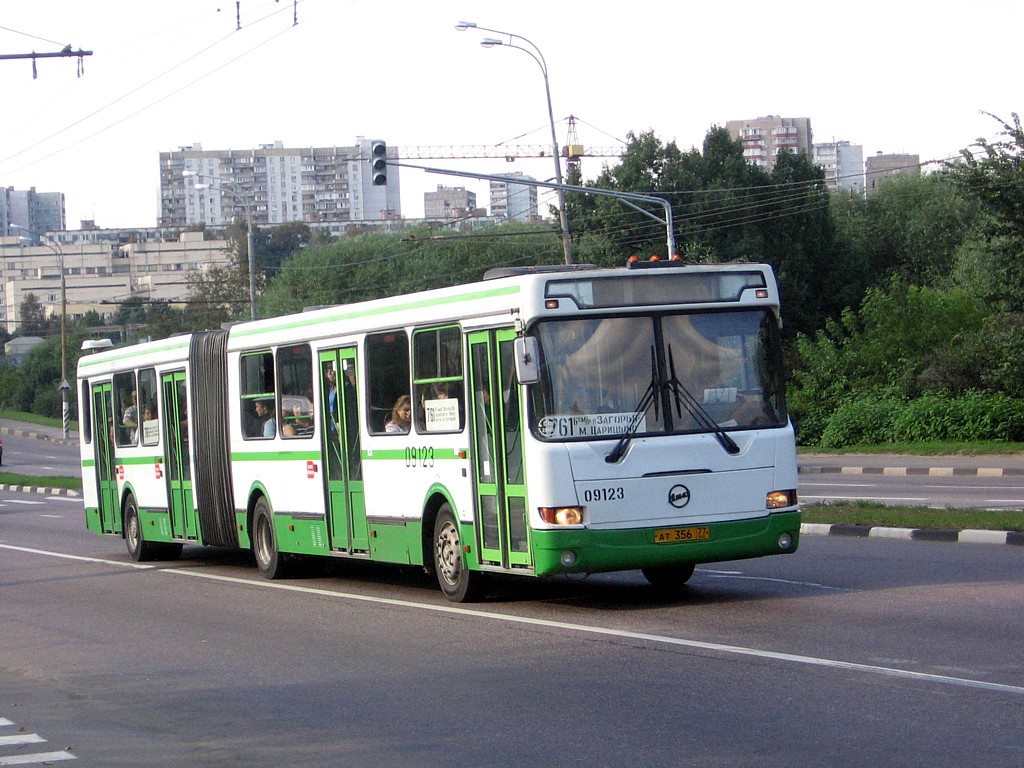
{"x": 542, "y": 421}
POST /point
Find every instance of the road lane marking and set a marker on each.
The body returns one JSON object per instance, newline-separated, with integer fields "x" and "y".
{"x": 587, "y": 629}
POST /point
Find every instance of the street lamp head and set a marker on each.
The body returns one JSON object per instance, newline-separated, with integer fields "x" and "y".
{"x": 490, "y": 42}
{"x": 462, "y": 26}
{"x": 189, "y": 174}
{"x": 201, "y": 186}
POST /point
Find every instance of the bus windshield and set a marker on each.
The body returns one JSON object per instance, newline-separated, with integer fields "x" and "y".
{"x": 658, "y": 374}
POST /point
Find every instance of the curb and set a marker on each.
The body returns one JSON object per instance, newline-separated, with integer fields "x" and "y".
{"x": 42, "y": 490}
{"x": 13, "y": 432}
{"x": 916, "y": 471}
{"x": 959, "y": 536}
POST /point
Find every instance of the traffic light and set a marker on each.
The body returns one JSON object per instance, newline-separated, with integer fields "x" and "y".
{"x": 379, "y": 163}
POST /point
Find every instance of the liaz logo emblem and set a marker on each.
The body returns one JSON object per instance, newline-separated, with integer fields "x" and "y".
{"x": 679, "y": 496}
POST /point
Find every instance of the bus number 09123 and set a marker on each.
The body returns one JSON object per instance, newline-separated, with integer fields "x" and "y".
{"x": 611, "y": 493}
{"x": 419, "y": 456}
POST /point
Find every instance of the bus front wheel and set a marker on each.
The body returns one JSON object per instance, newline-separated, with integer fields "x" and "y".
{"x": 459, "y": 584}
{"x": 271, "y": 562}
{"x": 139, "y": 549}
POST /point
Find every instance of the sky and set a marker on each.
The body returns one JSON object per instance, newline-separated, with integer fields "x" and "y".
{"x": 892, "y": 76}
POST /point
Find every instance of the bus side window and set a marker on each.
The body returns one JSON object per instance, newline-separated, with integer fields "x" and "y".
{"x": 126, "y": 409}
{"x": 295, "y": 385}
{"x": 439, "y": 398}
{"x": 256, "y": 387}
{"x": 85, "y": 407}
{"x": 387, "y": 376}
{"x": 149, "y": 426}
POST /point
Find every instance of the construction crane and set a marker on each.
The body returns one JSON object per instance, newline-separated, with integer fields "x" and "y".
{"x": 511, "y": 152}
{"x": 573, "y": 151}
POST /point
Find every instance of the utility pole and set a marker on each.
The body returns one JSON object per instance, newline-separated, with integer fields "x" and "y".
{"x": 64, "y": 53}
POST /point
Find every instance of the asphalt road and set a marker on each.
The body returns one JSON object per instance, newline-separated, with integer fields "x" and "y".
{"x": 850, "y": 652}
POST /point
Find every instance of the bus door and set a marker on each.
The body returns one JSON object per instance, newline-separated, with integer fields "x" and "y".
{"x": 502, "y": 530}
{"x": 179, "y": 469}
{"x": 343, "y": 459}
{"x": 103, "y": 446}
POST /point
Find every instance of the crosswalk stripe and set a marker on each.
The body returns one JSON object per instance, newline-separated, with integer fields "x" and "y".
{"x": 44, "y": 758}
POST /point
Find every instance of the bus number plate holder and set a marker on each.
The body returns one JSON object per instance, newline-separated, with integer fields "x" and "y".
{"x": 680, "y": 535}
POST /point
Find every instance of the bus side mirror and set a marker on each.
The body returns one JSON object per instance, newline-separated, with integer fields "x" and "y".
{"x": 527, "y": 363}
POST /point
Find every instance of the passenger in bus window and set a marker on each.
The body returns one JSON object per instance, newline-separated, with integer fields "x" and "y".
{"x": 130, "y": 419}
{"x": 265, "y": 418}
{"x": 401, "y": 416}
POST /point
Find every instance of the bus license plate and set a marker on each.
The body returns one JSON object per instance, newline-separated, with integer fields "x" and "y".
{"x": 676, "y": 535}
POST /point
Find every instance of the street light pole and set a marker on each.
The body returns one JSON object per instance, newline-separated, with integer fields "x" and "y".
{"x": 64, "y": 386}
{"x": 536, "y": 55}
{"x": 250, "y": 240}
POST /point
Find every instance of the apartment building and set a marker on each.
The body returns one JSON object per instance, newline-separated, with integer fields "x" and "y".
{"x": 764, "y": 137}
{"x": 448, "y": 203}
{"x": 30, "y": 211}
{"x": 101, "y": 269}
{"x": 513, "y": 200}
{"x": 880, "y": 167}
{"x": 274, "y": 184}
{"x": 843, "y": 164}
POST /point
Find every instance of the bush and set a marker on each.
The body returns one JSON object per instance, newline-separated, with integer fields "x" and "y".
{"x": 862, "y": 420}
{"x": 880, "y": 418}
{"x": 972, "y": 416}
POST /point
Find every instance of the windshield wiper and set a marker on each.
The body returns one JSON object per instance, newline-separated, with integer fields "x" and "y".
{"x": 649, "y": 397}
{"x": 683, "y": 397}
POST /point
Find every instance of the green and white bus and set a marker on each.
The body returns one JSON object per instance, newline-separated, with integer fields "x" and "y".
{"x": 542, "y": 421}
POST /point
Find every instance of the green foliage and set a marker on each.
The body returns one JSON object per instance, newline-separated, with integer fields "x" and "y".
{"x": 369, "y": 266}
{"x": 885, "y": 346}
{"x": 32, "y": 314}
{"x": 879, "y": 418}
{"x": 862, "y": 419}
{"x": 968, "y": 417}
{"x": 724, "y": 210}
{"x": 993, "y": 174}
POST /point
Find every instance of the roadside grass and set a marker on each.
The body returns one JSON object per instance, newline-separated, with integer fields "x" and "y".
{"x": 875, "y": 514}
{"x": 45, "y": 481}
{"x": 34, "y": 418}
{"x": 935, "y": 448}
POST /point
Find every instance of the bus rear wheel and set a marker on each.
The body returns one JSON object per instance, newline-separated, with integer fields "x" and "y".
{"x": 459, "y": 584}
{"x": 270, "y": 561}
{"x": 668, "y": 577}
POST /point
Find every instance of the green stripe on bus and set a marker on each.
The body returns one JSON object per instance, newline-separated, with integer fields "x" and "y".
{"x": 414, "y": 452}
{"x": 130, "y": 352}
{"x": 305, "y": 322}
{"x": 277, "y": 456}
{"x": 139, "y": 459}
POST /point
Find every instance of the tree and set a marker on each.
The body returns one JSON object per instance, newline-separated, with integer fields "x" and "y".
{"x": 993, "y": 174}
{"x": 33, "y": 316}
{"x": 221, "y": 293}
{"x": 370, "y": 266}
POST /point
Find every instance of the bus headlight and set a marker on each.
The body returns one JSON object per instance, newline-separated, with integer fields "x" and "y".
{"x": 562, "y": 515}
{"x": 779, "y": 499}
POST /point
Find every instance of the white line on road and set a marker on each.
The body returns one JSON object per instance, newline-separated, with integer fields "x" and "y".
{"x": 736, "y": 650}
{"x": 40, "y": 758}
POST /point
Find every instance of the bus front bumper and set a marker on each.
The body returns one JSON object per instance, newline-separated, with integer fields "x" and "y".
{"x": 582, "y": 550}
